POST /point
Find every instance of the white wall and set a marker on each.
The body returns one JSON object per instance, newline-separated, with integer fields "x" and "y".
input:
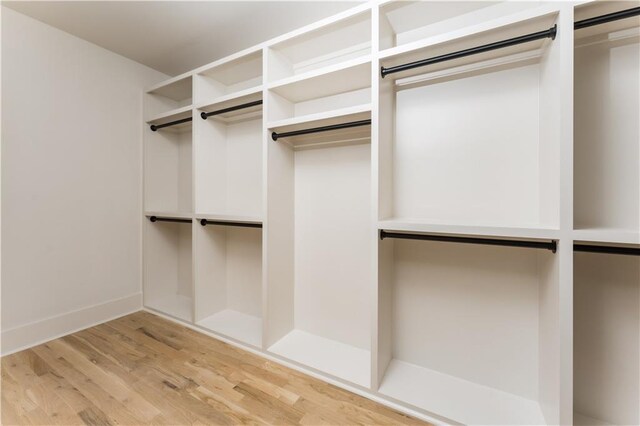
{"x": 71, "y": 150}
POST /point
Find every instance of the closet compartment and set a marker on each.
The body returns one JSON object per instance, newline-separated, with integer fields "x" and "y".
{"x": 169, "y": 100}
{"x": 228, "y": 279}
{"x": 320, "y": 204}
{"x": 606, "y": 338}
{"x": 338, "y": 95}
{"x": 322, "y": 48}
{"x": 228, "y": 158}
{"x": 606, "y": 131}
{"x": 465, "y": 330}
{"x": 474, "y": 140}
{"x": 168, "y": 266}
{"x": 224, "y": 80}
{"x": 403, "y": 23}
{"x": 167, "y": 168}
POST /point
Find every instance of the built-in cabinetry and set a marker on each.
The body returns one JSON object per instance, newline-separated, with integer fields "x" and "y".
{"x": 433, "y": 203}
{"x": 606, "y": 327}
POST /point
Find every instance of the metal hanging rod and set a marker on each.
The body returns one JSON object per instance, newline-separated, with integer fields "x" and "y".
{"x": 155, "y": 127}
{"x": 550, "y": 245}
{"x": 168, "y": 219}
{"x": 205, "y": 115}
{"x": 603, "y": 19}
{"x": 590, "y": 248}
{"x": 205, "y": 222}
{"x": 275, "y": 135}
{"x": 550, "y": 33}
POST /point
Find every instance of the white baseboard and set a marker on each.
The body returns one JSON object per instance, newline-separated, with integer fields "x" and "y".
{"x": 37, "y": 332}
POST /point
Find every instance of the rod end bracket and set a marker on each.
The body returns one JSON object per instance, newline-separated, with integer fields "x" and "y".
{"x": 153, "y": 127}
{"x": 274, "y": 136}
{"x": 204, "y": 115}
{"x": 203, "y": 222}
{"x": 153, "y": 218}
{"x": 553, "y": 31}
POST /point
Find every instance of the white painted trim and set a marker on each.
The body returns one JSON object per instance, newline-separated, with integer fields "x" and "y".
{"x": 360, "y": 391}
{"x": 32, "y": 334}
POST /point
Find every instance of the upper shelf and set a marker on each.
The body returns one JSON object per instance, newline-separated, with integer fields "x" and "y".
{"x": 351, "y": 135}
{"x": 332, "y": 80}
{"x": 229, "y": 77}
{"x": 340, "y": 41}
{"x": 168, "y": 98}
{"x": 529, "y": 31}
{"x": 612, "y": 30}
{"x": 408, "y": 225}
{"x": 239, "y": 106}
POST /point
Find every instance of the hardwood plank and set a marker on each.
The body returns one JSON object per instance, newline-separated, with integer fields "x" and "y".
{"x": 143, "y": 369}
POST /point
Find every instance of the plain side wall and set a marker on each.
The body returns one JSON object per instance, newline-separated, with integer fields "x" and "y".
{"x": 71, "y": 150}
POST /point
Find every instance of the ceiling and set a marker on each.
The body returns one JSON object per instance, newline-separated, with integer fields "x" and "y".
{"x": 177, "y": 36}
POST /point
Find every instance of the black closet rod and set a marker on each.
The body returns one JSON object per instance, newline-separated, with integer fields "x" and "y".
{"x": 550, "y": 33}
{"x": 168, "y": 219}
{"x": 205, "y": 222}
{"x": 589, "y": 248}
{"x": 603, "y": 19}
{"x": 275, "y": 135}
{"x": 204, "y": 115}
{"x": 155, "y": 127}
{"x": 550, "y": 245}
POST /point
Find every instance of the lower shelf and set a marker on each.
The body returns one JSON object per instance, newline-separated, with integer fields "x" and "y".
{"x": 176, "y": 305}
{"x": 329, "y": 356}
{"x": 456, "y": 399}
{"x": 236, "y": 325}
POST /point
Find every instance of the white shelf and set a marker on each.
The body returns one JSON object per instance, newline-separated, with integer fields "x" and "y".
{"x": 229, "y": 218}
{"x": 456, "y": 399}
{"x": 503, "y": 28}
{"x": 407, "y": 225}
{"x": 607, "y": 235}
{"x": 177, "y": 306}
{"x": 355, "y": 135}
{"x": 174, "y": 114}
{"x": 357, "y": 112}
{"x": 176, "y": 88}
{"x": 236, "y": 325}
{"x": 332, "y": 80}
{"x": 237, "y": 98}
{"x": 329, "y": 356}
{"x": 173, "y": 215}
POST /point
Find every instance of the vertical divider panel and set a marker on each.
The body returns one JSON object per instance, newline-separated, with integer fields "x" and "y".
{"x": 278, "y": 227}
{"x": 565, "y": 250}
{"x": 265, "y": 207}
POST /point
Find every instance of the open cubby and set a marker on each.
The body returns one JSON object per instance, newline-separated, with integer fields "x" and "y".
{"x": 228, "y": 282}
{"x": 225, "y": 79}
{"x": 167, "y": 169}
{"x": 320, "y": 315}
{"x": 606, "y": 130}
{"x": 606, "y": 342}
{"x": 463, "y": 329}
{"x": 168, "y": 269}
{"x": 404, "y": 22}
{"x": 328, "y": 45}
{"x": 342, "y": 92}
{"x": 228, "y": 161}
{"x": 475, "y": 142}
{"x": 167, "y": 99}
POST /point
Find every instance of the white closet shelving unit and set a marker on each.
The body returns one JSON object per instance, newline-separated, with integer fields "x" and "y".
{"x": 406, "y": 230}
{"x": 606, "y": 369}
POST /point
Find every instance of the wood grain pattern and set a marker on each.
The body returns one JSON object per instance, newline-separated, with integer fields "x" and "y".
{"x": 143, "y": 369}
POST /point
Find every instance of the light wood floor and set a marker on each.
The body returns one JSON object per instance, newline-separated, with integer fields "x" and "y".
{"x": 142, "y": 369}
